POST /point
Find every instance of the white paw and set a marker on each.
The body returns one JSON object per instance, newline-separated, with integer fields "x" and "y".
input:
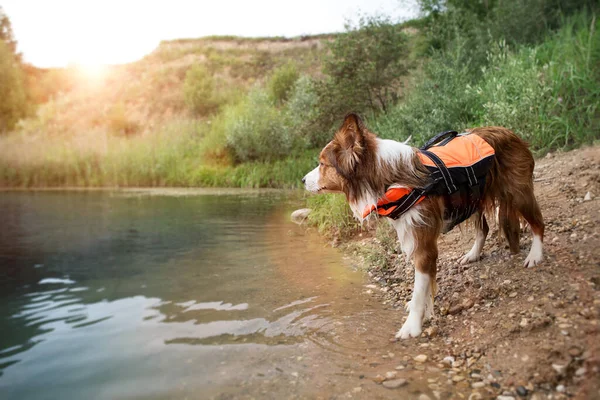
{"x": 411, "y": 328}
{"x": 533, "y": 259}
{"x": 469, "y": 258}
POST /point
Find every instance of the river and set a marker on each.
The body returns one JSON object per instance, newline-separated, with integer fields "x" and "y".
{"x": 177, "y": 293}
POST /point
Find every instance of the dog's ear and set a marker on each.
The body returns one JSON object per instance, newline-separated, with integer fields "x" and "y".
{"x": 350, "y": 139}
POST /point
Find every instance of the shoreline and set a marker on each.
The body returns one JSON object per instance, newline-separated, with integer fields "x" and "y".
{"x": 501, "y": 329}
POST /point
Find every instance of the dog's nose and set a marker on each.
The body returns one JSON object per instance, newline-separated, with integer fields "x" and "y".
{"x": 304, "y": 180}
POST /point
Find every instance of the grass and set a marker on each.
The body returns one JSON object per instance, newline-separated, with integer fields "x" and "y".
{"x": 171, "y": 155}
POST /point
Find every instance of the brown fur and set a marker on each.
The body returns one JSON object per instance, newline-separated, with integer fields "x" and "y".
{"x": 352, "y": 155}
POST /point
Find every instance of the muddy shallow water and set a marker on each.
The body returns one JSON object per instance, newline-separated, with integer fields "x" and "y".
{"x": 174, "y": 294}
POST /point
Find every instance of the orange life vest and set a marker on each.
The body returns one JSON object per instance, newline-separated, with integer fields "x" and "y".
{"x": 458, "y": 166}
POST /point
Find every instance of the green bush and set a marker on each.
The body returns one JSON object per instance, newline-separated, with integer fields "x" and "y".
{"x": 256, "y": 130}
{"x": 199, "y": 90}
{"x": 302, "y": 114}
{"x": 281, "y": 83}
{"x": 13, "y": 99}
{"x": 548, "y": 94}
{"x": 438, "y": 101}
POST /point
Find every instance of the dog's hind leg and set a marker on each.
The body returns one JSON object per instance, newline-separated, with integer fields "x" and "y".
{"x": 482, "y": 230}
{"x": 530, "y": 210}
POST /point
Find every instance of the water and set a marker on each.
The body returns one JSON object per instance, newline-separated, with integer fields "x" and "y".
{"x": 168, "y": 294}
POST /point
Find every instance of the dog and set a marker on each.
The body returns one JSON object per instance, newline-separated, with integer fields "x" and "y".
{"x": 365, "y": 168}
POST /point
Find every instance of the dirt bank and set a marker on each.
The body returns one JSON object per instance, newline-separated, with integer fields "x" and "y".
{"x": 501, "y": 329}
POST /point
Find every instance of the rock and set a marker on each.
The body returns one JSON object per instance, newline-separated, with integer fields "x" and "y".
{"x": 580, "y": 371}
{"x": 378, "y": 379}
{"x": 477, "y": 385}
{"x": 475, "y": 396}
{"x": 559, "y": 368}
{"x": 521, "y": 391}
{"x": 400, "y": 367}
{"x": 588, "y": 196}
{"x": 421, "y": 358}
{"x": 299, "y": 216}
{"x": 390, "y": 374}
{"x": 513, "y": 295}
{"x": 394, "y": 384}
{"x": 357, "y": 389}
{"x": 423, "y": 396}
{"x": 505, "y": 398}
{"x": 523, "y": 322}
{"x": 448, "y": 360}
{"x": 561, "y": 388}
{"x": 575, "y": 351}
{"x": 431, "y": 331}
{"x": 458, "y": 378}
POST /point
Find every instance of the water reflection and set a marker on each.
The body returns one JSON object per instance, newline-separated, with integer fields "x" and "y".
{"x": 109, "y": 296}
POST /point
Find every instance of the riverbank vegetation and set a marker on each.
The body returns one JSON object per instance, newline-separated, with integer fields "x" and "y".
{"x": 226, "y": 111}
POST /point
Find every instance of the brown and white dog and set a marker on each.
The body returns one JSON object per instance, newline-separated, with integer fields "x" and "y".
{"x": 362, "y": 166}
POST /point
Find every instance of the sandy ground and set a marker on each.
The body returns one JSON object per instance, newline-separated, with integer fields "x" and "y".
{"x": 502, "y": 329}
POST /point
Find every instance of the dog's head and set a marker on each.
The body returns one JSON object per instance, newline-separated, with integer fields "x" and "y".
{"x": 345, "y": 160}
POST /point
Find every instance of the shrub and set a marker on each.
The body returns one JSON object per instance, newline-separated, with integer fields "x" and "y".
{"x": 302, "y": 114}
{"x": 282, "y": 82}
{"x": 256, "y": 130}
{"x": 199, "y": 90}
{"x": 119, "y": 123}
{"x": 439, "y": 101}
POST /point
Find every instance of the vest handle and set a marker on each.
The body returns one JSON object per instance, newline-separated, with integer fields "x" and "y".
{"x": 438, "y": 138}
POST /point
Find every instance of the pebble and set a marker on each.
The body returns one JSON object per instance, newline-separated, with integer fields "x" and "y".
{"x": 394, "y": 384}
{"x": 588, "y": 196}
{"x": 505, "y": 398}
{"x": 357, "y": 389}
{"x": 400, "y": 367}
{"x": 421, "y": 358}
{"x": 521, "y": 391}
{"x": 575, "y": 351}
{"x": 448, "y": 360}
{"x": 423, "y": 396}
{"x": 559, "y": 368}
{"x": 477, "y": 385}
{"x": 475, "y": 396}
{"x": 580, "y": 371}
{"x": 513, "y": 295}
{"x": 458, "y": 378}
{"x": 561, "y": 388}
{"x": 299, "y": 216}
{"x": 390, "y": 374}
{"x": 523, "y": 322}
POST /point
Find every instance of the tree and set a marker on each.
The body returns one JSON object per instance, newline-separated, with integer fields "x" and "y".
{"x": 13, "y": 99}
{"x": 362, "y": 70}
{"x": 6, "y": 34}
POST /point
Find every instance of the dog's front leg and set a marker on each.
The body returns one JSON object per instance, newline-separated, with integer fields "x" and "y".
{"x": 421, "y": 305}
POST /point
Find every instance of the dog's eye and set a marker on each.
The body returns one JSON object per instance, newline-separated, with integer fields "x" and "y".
{"x": 321, "y": 164}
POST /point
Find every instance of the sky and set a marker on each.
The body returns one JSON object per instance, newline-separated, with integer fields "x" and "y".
{"x": 55, "y": 33}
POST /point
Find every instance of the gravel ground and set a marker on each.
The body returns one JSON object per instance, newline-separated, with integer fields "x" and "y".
{"x": 503, "y": 331}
